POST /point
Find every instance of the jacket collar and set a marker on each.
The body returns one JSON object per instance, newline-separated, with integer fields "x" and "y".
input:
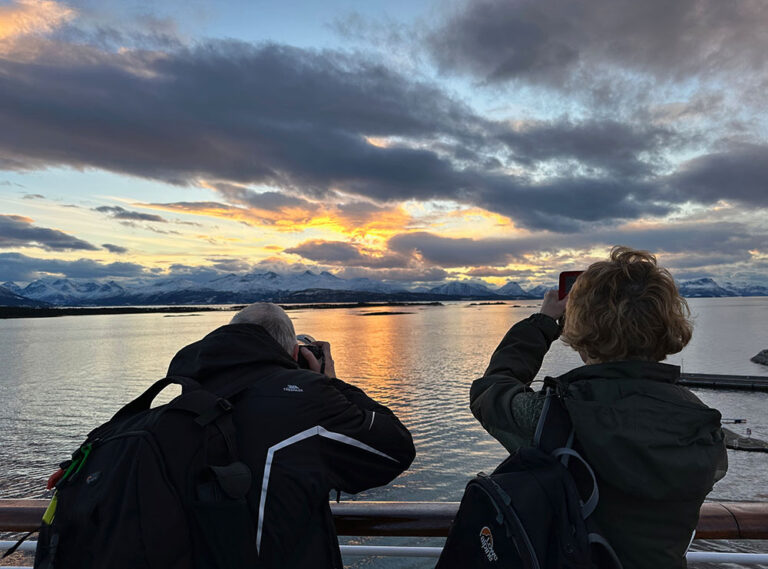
{"x": 628, "y": 369}
{"x": 230, "y": 349}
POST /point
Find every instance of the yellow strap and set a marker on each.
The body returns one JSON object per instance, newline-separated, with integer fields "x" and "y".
{"x": 50, "y": 512}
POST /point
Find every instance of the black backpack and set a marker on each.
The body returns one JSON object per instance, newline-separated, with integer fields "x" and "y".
{"x": 529, "y": 513}
{"x": 154, "y": 488}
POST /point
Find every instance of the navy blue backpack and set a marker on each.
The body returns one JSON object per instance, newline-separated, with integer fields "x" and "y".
{"x": 529, "y": 513}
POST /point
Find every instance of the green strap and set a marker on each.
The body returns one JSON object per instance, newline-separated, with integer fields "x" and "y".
{"x": 78, "y": 460}
{"x": 85, "y": 450}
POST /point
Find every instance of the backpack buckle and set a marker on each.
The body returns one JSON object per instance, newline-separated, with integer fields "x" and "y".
{"x": 221, "y": 407}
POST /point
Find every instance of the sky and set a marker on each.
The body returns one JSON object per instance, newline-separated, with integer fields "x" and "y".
{"x": 413, "y": 142}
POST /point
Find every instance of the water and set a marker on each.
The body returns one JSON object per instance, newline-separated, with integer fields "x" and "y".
{"x": 60, "y": 377}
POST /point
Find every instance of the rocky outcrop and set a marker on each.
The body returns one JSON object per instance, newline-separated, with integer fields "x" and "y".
{"x": 761, "y": 358}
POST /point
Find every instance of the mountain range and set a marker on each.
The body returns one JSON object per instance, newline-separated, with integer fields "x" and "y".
{"x": 289, "y": 287}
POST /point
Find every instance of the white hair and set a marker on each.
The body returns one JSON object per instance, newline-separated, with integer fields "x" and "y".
{"x": 273, "y": 319}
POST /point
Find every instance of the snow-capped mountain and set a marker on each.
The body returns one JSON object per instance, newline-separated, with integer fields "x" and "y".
{"x": 704, "y": 287}
{"x": 540, "y": 290}
{"x": 9, "y": 298}
{"x": 271, "y": 282}
{"x": 13, "y": 287}
{"x": 71, "y": 291}
{"x": 287, "y": 287}
{"x": 746, "y": 289}
{"x": 512, "y": 289}
{"x": 225, "y": 289}
{"x": 463, "y": 289}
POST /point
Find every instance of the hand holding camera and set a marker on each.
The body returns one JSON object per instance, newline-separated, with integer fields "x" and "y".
{"x": 315, "y": 355}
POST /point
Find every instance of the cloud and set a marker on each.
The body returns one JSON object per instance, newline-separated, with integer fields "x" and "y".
{"x": 114, "y": 248}
{"x": 18, "y": 231}
{"x": 286, "y": 212}
{"x": 405, "y": 276}
{"x": 552, "y": 42}
{"x": 190, "y": 113}
{"x": 118, "y": 212}
{"x": 18, "y": 267}
{"x": 570, "y": 203}
{"x": 455, "y": 252}
{"x": 230, "y": 265}
{"x": 609, "y": 145}
{"x": 24, "y": 17}
{"x": 194, "y": 273}
{"x": 674, "y": 242}
{"x": 347, "y": 254}
{"x": 33, "y": 197}
{"x": 494, "y": 272}
{"x": 339, "y": 139}
{"x": 738, "y": 173}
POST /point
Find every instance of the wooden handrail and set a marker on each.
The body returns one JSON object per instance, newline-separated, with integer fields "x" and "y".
{"x": 718, "y": 520}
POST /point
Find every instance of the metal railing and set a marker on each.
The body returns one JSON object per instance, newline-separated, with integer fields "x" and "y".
{"x": 717, "y": 520}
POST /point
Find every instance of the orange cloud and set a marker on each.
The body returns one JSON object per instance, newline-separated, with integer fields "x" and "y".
{"x": 377, "y": 142}
{"x": 25, "y": 17}
{"x": 361, "y": 220}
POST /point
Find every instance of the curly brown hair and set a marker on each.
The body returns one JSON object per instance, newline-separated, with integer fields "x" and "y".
{"x": 626, "y": 308}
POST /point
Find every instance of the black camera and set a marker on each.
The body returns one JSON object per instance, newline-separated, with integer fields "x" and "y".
{"x": 305, "y": 341}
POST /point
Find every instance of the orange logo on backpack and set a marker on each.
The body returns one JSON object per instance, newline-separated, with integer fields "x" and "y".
{"x": 486, "y": 543}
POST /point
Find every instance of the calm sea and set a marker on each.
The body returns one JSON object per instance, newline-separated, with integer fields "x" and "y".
{"x": 60, "y": 377}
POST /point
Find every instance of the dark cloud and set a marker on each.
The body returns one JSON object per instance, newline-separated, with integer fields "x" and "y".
{"x": 271, "y": 201}
{"x": 360, "y": 210}
{"x": 118, "y": 212}
{"x": 316, "y": 123}
{"x": 739, "y": 173}
{"x": 225, "y": 110}
{"x": 347, "y": 254}
{"x": 699, "y": 260}
{"x": 335, "y": 252}
{"x": 230, "y": 265}
{"x": 605, "y": 144}
{"x": 114, "y": 248}
{"x": 194, "y": 273}
{"x": 33, "y": 197}
{"x": 455, "y": 252}
{"x": 706, "y": 241}
{"x": 18, "y": 231}
{"x": 405, "y": 276}
{"x": 18, "y": 267}
{"x": 553, "y": 41}
{"x": 494, "y": 272}
{"x": 566, "y": 204}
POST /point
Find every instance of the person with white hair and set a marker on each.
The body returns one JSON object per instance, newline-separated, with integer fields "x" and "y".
{"x": 302, "y": 433}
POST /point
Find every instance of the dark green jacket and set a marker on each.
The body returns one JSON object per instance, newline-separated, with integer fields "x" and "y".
{"x": 655, "y": 447}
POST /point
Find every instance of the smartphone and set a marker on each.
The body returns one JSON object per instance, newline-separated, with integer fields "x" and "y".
{"x": 567, "y": 278}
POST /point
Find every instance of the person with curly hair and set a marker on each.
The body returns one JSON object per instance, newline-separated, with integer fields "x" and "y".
{"x": 656, "y": 449}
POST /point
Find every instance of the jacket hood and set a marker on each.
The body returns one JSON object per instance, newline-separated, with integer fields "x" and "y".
{"x": 665, "y": 444}
{"x": 229, "y": 350}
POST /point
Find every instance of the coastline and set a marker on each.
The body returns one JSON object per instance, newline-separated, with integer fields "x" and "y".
{"x": 7, "y": 312}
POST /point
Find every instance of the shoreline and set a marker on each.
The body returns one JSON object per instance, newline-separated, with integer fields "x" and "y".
{"x": 7, "y": 312}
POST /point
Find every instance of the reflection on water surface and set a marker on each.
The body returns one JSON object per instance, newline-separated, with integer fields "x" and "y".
{"x": 63, "y": 376}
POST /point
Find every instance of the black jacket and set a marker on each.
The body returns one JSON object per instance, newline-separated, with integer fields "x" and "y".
{"x": 303, "y": 435}
{"x": 655, "y": 447}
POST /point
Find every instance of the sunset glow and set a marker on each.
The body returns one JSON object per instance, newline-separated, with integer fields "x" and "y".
{"x": 398, "y": 141}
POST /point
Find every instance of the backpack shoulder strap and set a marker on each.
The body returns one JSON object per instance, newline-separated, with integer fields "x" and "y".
{"x": 554, "y": 429}
{"x": 144, "y": 401}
